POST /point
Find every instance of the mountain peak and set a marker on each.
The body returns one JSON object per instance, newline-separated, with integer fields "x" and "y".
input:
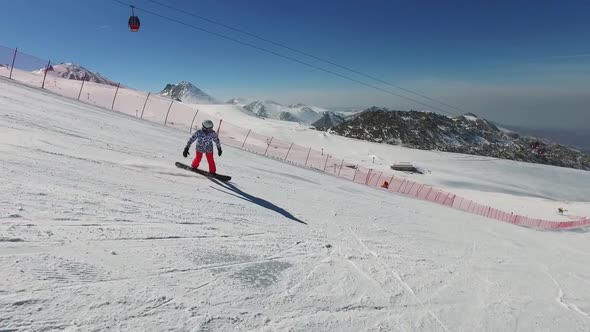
{"x": 73, "y": 71}
{"x": 295, "y": 112}
{"x": 186, "y": 92}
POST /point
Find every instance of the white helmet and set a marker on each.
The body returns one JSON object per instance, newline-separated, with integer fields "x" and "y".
{"x": 207, "y": 124}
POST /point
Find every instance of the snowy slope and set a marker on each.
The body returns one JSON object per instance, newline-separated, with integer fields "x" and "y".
{"x": 100, "y": 232}
{"x": 532, "y": 190}
{"x": 73, "y": 71}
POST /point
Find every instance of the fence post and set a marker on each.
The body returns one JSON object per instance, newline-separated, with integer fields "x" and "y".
{"x": 379, "y": 178}
{"x": 190, "y": 130}
{"x": 419, "y": 190}
{"x": 326, "y": 164}
{"x": 45, "y": 75}
{"x": 13, "y": 59}
{"x": 114, "y": 98}
{"x": 82, "y": 86}
{"x": 306, "y": 159}
{"x": 288, "y": 151}
{"x": 269, "y": 142}
{"x": 169, "y": 107}
{"x": 462, "y": 201}
{"x": 146, "y": 100}
{"x": 219, "y": 126}
{"x": 356, "y": 171}
{"x": 368, "y": 175}
{"x": 248, "y": 134}
{"x": 453, "y": 201}
{"x": 341, "y": 164}
{"x": 412, "y": 187}
{"x": 446, "y": 198}
{"x": 399, "y": 189}
{"x": 436, "y": 197}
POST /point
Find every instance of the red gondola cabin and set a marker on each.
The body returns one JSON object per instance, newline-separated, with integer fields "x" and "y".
{"x": 134, "y": 21}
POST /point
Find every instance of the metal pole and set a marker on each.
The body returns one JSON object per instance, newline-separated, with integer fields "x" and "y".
{"x": 115, "y": 97}
{"x": 368, "y": 175}
{"x": 412, "y": 187}
{"x": 219, "y": 127}
{"x": 406, "y": 187}
{"x": 248, "y": 134}
{"x": 82, "y": 86}
{"x": 306, "y": 159}
{"x": 169, "y": 107}
{"x": 419, "y": 190}
{"x": 146, "y": 100}
{"x": 13, "y": 59}
{"x": 400, "y": 186}
{"x": 269, "y": 142}
{"x": 340, "y": 170}
{"x": 44, "y": 76}
{"x": 288, "y": 151}
{"x": 379, "y": 178}
{"x": 190, "y": 130}
{"x": 326, "y": 164}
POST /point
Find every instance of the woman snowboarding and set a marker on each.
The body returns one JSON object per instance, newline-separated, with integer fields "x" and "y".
{"x": 205, "y": 138}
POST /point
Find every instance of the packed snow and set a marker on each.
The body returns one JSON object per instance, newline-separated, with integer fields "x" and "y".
{"x": 99, "y": 231}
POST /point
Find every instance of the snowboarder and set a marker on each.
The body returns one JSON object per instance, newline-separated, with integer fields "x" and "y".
{"x": 205, "y": 138}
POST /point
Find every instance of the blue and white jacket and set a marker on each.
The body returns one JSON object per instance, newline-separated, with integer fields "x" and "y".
{"x": 204, "y": 141}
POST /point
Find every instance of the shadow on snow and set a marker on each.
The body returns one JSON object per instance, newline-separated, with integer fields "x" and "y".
{"x": 237, "y": 192}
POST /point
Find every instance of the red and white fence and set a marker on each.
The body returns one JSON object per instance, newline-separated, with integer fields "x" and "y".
{"x": 19, "y": 66}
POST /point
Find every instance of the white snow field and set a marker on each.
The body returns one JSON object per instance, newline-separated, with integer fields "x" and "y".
{"x": 100, "y": 231}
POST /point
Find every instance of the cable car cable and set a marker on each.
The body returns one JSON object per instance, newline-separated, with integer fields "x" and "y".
{"x": 285, "y": 57}
{"x": 304, "y": 53}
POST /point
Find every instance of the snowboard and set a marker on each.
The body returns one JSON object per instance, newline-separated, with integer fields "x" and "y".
{"x": 219, "y": 177}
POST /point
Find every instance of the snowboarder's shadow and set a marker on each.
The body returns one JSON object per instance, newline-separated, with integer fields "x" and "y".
{"x": 253, "y": 199}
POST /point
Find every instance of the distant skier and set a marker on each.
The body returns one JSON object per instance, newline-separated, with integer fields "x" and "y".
{"x": 205, "y": 138}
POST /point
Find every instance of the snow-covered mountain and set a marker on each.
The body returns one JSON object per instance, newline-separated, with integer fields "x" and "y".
{"x": 241, "y": 102}
{"x": 187, "y": 93}
{"x": 73, "y": 71}
{"x": 295, "y": 113}
{"x": 463, "y": 134}
{"x": 329, "y": 120}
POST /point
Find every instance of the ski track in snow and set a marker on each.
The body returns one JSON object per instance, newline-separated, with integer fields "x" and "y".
{"x": 561, "y": 297}
{"x": 399, "y": 279}
{"x": 100, "y": 231}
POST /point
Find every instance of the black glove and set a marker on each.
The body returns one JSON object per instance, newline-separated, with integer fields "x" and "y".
{"x": 185, "y": 152}
{"x": 219, "y": 152}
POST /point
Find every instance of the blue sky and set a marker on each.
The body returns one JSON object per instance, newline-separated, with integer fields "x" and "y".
{"x": 520, "y": 62}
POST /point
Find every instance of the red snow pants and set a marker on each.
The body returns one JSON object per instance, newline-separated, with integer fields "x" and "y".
{"x": 210, "y": 161}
